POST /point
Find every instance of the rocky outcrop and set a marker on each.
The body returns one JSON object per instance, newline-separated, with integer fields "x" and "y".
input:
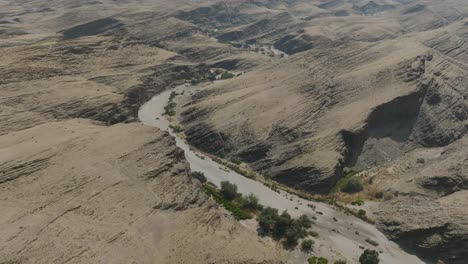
{"x": 427, "y": 215}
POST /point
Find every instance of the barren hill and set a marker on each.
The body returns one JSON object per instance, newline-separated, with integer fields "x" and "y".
{"x": 365, "y": 85}
{"x": 78, "y": 192}
{"x": 319, "y": 87}
{"x": 78, "y": 183}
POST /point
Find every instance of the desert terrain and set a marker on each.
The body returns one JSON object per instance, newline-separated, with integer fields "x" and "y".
{"x": 305, "y": 94}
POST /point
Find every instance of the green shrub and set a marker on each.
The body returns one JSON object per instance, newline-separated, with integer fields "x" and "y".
{"x": 267, "y": 219}
{"x": 282, "y": 224}
{"x": 169, "y": 109}
{"x": 226, "y": 75}
{"x": 250, "y": 202}
{"x": 341, "y": 261}
{"x": 305, "y": 221}
{"x": 317, "y": 260}
{"x": 172, "y": 95}
{"x": 229, "y": 190}
{"x": 322, "y": 260}
{"x": 369, "y": 257}
{"x": 307, "y": 245}
{"x": 358, "y": 202}
{"x": 354, "y": 185}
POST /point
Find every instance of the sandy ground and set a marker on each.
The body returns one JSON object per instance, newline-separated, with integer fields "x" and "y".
{"x": 339, "y": 239}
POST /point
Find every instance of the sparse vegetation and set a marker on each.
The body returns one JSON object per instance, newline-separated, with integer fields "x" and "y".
{"x": 369, "y": 257}
{"x": 236, "y": 211}
{"x": 227, "y": 75}
{"x": 237, "y": 162}
{"x": 358, "y": 202}
{"x": 169, "y": 109}
{"x": 235, "y": 168}
{"x": 341, "y": 261}
{"x": 176, "y": 129}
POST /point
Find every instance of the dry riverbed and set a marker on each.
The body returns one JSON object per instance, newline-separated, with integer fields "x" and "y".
{"x": 341, "y": 236}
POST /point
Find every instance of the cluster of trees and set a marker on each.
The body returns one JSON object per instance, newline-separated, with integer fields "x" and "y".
{"x": 169, "y": 109}
{"x": 241, "y": 207}
{"x": 230, "y": 205}
{"x": 284, "y": 226}
{"x": 280, "y": 226}
{"x": 249, "y": 203}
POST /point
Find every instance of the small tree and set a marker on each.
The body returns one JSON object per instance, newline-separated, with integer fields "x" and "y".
{"x": 250, "y": 202}
{"x": 229, "y": 190}
{"x": 267, "y": 219}
{"x": 369, "y": 257}
{"x": 307, "y": 245}
{"x": 341, "y": 261}
{"x": 282, "y": 224}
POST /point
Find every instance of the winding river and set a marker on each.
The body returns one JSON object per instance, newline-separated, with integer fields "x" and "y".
{"x": 340, "y": 235}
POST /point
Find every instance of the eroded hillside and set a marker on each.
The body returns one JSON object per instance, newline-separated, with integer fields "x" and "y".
{"x": 365, "y": 84}
{"x": 80, "y": 180}
{"x": 319, "y": 88}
